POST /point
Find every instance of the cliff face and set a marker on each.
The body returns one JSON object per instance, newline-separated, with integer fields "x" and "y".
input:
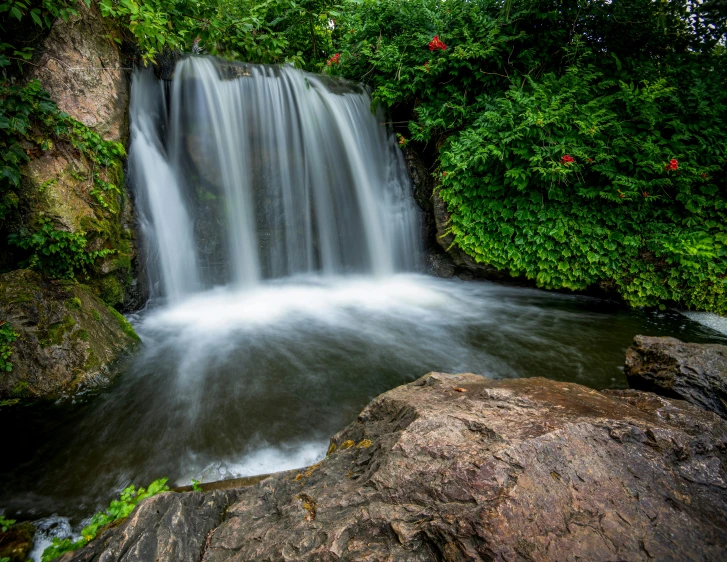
{"x": 81, "y": 66}
{"x": 460, "y": 467}
{"x": 59, "y": 335}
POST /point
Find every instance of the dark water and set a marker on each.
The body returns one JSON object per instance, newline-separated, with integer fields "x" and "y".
{"x": 232, "y": 384}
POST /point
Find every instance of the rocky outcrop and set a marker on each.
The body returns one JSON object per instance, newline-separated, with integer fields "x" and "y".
{"x": 437, "y": 262}
{"x": 80, "y": 65}
{"x": 65, "y": 336}
{"x": 693, "y": 372}
{"x": 460, "y": 467}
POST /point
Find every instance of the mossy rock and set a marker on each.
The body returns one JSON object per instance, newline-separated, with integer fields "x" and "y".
{"x": 66, "y": 336}
{"x": 17, "y": 542}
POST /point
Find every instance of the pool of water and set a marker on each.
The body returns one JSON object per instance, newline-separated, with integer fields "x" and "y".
{"x": 231, "y": 383}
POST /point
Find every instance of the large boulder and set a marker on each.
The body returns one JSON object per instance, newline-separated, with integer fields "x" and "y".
{"x": 460, "y": 467}
{"x": 693, "y": 372}
{"x": 65, "y": 336}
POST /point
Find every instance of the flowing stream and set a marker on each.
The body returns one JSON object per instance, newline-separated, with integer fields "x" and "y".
{"x": 281, "y": 245}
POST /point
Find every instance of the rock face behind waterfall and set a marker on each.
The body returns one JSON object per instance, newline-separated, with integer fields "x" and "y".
{"x": 693, "y": 372}
{"x": 460, "y": 467}
{"x": 66, "y": 336}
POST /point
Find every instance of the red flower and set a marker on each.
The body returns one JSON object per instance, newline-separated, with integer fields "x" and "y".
{"x": 672, "y": 165}
{"x": 436, "y": 45}
{"x": 704, "y": 175}
{"x": 334, "y": 59}
{"x": 567, "y": 159}
{"x": 351, "y": 31}
{"x": 646, "y": 193}
{"x": 620, "y": 195}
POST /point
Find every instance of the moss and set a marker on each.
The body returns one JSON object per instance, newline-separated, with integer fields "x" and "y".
{"x": 91, "y": 362}
{"x": 96, "y": 315}
{"x": 82, "y": 335}
{"x": 20, "y": 389}
{"x": 56, "y": 332}
{"x": 124, "y": 324}
{"x": 111, "y": 291}
{"x": 74, "y": 303}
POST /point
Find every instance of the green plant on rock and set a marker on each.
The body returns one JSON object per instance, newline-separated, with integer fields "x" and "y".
{"x": 7, "y": 337}
{"x": 117, "y": 510}
{"x": 6, "y": 523}
{"x": 57, "y": 253}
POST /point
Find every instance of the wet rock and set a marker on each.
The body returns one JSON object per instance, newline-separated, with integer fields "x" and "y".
{"x": 66, "y": 336}
{"x": 460, "y": 467}
{"x": 17, "y": 542}
{"x": 693, "y": 372}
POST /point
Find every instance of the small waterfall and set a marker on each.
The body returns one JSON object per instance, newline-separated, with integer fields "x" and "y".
{"x": 247, "y": 172}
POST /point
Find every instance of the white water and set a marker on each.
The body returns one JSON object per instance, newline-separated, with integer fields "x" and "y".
{"x": 248, "y": 172}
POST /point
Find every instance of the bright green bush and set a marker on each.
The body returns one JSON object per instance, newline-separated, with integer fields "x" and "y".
{"x": 555, "y": 127}
{"x": 263, "y": 31}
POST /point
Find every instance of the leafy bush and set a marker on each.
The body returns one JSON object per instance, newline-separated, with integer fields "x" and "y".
{"x": 555, "y": 128}
{"x": 7, "y": 337}
{"x": 57, "y": 253}
{"x": 267, "y": 31}
{"x": 117, "y": 510}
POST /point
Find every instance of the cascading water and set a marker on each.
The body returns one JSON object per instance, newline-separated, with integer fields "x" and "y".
{"x": 248, "y": 172}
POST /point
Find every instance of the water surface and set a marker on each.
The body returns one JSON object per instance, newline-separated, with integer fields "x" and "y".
{"x": 234, "y": 383}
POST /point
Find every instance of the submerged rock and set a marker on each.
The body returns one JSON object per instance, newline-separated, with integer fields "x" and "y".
{"x": 693, "y": 372}
{"x": 460, "y": 467}
{"x": 65, "y": 335}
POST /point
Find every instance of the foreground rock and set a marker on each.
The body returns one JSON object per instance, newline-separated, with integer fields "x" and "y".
{"x": 693, "y": 372}
{"x": 66, "y": 336}
{"x": 459, "y": 467}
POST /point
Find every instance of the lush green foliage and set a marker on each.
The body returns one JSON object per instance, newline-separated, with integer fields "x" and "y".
{"x": 555, "y": 125}
{"x": 57, "y": 253}
{"x": 7, "y": 337}
{"x": 266, "y": 31}
{"x": 118, "y": 509}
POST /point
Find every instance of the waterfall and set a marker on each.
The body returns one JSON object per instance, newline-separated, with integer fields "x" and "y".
{"x": 251, "y": 172}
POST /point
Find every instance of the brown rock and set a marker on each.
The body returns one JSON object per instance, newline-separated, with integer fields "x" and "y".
{"x": 84, "y": 72}
{"x": 459, "y": 467}
{"x": 693, "y": 372}
{"x": 66, "y": 336}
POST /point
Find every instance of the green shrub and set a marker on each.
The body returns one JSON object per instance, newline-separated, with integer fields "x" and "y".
{"x": 57, "y": 253}
{"x": 555, "y": 127}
